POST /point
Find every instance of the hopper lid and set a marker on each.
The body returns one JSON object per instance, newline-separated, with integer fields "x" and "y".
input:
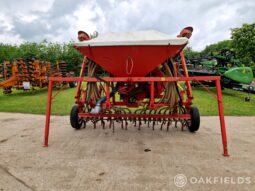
{"x": 150, "y": 37}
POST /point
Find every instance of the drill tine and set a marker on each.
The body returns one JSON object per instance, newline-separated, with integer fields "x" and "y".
{"x": 126, "y": 123}
{"x": 122, "y": 124}
{"x": 175, "y": 125}
{"x": 110, "y": 124}
{"x": 84, "y": 124}
{"x": 162, "y": 123}
{"x": 182, "y": 125}
{"x": 113, "y": 126}
{"x": 102, "y": 122}
{"x": 140, "y": 123}
{"x": 168, "y": 124}
{"x": 153, "y": 125}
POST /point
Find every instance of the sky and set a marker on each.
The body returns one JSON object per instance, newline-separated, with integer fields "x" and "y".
{"x": 59, "y": 20}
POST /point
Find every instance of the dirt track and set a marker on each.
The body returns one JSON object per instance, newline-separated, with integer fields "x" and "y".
{"x": 97, "y": 159}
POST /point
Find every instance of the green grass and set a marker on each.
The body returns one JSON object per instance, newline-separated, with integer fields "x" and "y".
{"x": 233, "y": 102}
{"x": 35, "y": 102}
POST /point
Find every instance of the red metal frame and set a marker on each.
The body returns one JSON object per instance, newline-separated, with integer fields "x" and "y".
{"x": 152, "y": 80}
{"x": 146, "y": 54}
{"x": 186, "y": 74}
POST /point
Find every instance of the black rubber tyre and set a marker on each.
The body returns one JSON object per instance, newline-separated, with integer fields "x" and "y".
{"x": 72, "y": 85}
{"x": 74, "y": 120}
{"x": 195, "y": 119}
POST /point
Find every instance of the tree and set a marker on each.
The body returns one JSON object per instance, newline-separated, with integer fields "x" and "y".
{"x": 243, "y": 39}
{"x": 189, "y": 53}
{"x": 215, "y": 49}
{"x": 72, "y": 57}
{"x": 51, "y": 52}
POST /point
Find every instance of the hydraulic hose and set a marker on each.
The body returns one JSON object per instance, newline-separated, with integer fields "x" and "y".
{"x": 98, "y": 107}
{"x": 171, "y": 66}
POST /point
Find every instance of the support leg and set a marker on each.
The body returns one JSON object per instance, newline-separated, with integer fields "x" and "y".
{"x": 222, "y": 121}
{"x": 48, "y": 112}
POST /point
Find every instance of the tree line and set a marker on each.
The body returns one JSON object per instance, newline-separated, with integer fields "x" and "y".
{"x": 242, "y": 43}
{"x": 47, "y": 51}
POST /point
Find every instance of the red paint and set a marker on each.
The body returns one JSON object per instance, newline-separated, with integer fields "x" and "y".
{"x": 222, "y": 120}
{"x": 152, "y": 104}
{"x": 48, "y": 112}
{"x": 130, "y": 61}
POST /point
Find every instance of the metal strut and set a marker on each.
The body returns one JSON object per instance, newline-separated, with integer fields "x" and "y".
{"x": 154, "y": 113}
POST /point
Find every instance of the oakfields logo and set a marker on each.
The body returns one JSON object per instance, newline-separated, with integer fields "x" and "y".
{"x": 180, "y": 180}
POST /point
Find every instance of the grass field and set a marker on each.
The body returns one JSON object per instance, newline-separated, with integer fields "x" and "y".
{"x": 233, "y": 102}
{"x": 35, "y": 102}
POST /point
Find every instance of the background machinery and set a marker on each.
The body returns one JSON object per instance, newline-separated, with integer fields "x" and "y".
{"x": 233, "y": 74}
{"x": 26, "y": 74}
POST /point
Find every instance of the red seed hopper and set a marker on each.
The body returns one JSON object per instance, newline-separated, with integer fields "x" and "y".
{"x": 131, "y": 54}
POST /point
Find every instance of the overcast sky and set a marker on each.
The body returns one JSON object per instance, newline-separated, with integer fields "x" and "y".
{"x": 59, "y": 20}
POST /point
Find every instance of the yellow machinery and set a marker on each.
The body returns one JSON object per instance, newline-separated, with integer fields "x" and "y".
{"x": 30, "y": 73}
